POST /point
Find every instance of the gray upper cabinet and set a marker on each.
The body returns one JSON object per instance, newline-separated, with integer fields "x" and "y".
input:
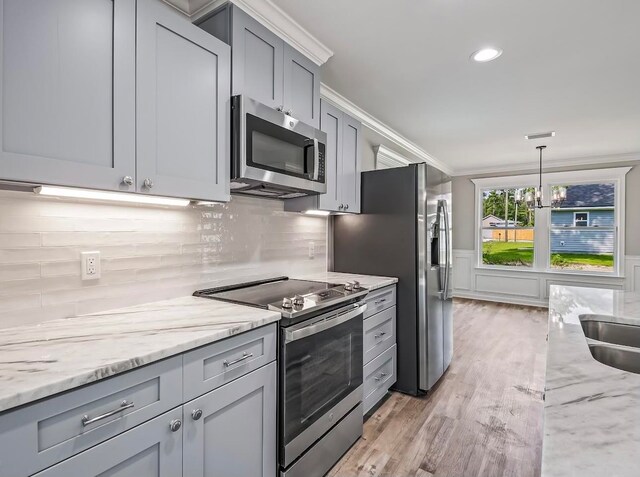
{"x": 67, "y": 109}
{"x": 153, "y": 449}
{"x": 264, "y": 67}
{"x": 301, "y": 87}
{"x": 331, "y": 124}
{"x": 257, "y": 60}
{"x": 231, "y": 431}
{"x": 183, "y": 77}
{"x": 350, "y": 178}
{"x": 343, "y": 164}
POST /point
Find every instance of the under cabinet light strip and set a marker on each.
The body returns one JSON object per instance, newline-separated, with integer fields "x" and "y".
{"x": 321, "y": 213}
{"x": 110, "y": 196}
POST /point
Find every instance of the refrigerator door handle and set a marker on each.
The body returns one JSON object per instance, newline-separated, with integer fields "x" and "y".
{"x": 442, "y": 284}
{"x": 447, "y": 238}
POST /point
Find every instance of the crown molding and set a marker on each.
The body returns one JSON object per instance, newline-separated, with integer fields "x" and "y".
{"x": 381, "y": 128}
{"x": 389, "y": 158}
{"x": 268, "y": 14}
{"x": 562, "y": 163}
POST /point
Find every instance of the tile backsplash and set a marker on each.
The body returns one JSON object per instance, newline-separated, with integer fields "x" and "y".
{"x": 148, "y": 253}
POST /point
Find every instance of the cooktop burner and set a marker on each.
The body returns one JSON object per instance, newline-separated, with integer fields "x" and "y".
{"x": 290, "y": 297}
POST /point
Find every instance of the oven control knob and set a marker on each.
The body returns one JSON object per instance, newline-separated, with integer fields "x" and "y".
{"x": 348, "y": 286}
{"x": 287, "y": 304}
{"x": 298, "y": 300}
{"x": 356, "y": 285}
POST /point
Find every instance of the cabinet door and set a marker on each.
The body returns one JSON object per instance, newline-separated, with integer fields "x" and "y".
{"x": 236, "y": 433}
{"x": 301, "y": 87}
{"x": 351, "y": 151}
{"x": 67, "y": 111}
{"x": 257, "y": 60}
{"x": 149, "y": 450}
{"x": 183, "y": 106}
{"x": 331, "y": 123}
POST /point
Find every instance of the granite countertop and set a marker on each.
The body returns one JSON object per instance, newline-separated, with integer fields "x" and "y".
{"x": 370, "y": 282}
{"x": 42, "y": 360}
{"x": 591, "y": 411}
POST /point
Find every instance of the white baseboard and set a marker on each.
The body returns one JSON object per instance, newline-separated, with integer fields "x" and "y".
{"x": 527, "y": 287}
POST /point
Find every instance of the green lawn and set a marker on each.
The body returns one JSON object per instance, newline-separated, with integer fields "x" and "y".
{"x": 521, "y": 253}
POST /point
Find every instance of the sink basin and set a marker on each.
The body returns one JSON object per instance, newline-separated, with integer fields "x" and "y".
{"x": 620, "y": 358}
{"x": 615, "y": 333}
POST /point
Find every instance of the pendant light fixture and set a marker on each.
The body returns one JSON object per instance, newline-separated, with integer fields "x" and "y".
{"x": 534, "y": 199}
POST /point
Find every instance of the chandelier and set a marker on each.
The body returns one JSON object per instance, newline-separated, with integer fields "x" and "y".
{"x": 532, "y": 197}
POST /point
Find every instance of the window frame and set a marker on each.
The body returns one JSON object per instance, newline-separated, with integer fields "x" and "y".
{"x": 575, "y": 218}
{"x": 542, "y": 223}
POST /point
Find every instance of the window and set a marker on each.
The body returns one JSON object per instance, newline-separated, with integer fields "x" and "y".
{"x": 507, "y": 229}
{"x": 583, "y": 229}
{"x": 583, "y": 234}
{"x": 581, "y": 219}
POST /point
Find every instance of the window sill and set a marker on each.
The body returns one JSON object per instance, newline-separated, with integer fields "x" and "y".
{"x": 549, "y": 271}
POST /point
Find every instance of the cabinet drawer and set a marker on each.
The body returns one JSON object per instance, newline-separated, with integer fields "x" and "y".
{"x": 379, "y": 376}
{"x": 379, "y": 300}
{"x": 42, "y": 434}
{"x": 379, "y": 333}
{"x": 212, "y": 366}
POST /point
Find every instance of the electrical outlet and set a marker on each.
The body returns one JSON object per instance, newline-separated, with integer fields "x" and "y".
{"x": 312, "y": 249}
{"x": 90, "y": 262}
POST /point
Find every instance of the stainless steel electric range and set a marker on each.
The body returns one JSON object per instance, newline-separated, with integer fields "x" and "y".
{"x": 320, "y": 366}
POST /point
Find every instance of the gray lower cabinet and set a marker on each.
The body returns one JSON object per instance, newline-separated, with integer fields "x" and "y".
{"x": 264, "y": 67}
{"x": 379, "y": 347}
{"x": 208, "y": 412}
{"x": 231, "y": 431}
{"x": 152, "y": 449}
{"x": 67, "y": 74}
{"x": 183, "y": 107}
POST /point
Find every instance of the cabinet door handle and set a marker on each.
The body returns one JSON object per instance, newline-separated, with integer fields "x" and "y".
{"x": 280, "y": 108}
{"x": 346, "y": 207}
{"x": 127, "y": 180}
{"x": 380, "y": 301}
{"x": 288, "y": 112}
{"x": 245, "y": 355}
{"x": 86, "y": 420}
{"x": 148, "y": 183}
{"x": 380, "y": 335}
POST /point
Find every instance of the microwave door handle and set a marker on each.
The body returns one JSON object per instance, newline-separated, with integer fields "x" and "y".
{"x": 316, "y": 159}
{"x": 324, "y": 325}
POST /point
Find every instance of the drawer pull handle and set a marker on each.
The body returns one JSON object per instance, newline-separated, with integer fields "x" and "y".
{"x": 380, "y": 301}
{"x": 382, "y": 375}
{"x": 380, "y": 335}
{"x": 245, "y": 355}
{"x": 86, "y": 420}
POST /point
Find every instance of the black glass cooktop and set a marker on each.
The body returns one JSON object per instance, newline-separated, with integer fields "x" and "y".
{"x": 263, "y": 294}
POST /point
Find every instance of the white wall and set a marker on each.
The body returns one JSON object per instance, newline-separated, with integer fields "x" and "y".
{"x": 148, "y": 253}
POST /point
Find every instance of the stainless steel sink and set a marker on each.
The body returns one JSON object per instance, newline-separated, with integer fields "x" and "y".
{"x": 615, "y": 333}
{"x": 620, "y": 358}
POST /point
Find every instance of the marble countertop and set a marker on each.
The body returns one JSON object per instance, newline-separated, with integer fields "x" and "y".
{"x": 42, "y": 360}
{"x": 370, "y": 282}
{"x": 591, "y": 411}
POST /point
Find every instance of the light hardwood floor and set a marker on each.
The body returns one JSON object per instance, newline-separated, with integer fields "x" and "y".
{"x": 484, "y": 418}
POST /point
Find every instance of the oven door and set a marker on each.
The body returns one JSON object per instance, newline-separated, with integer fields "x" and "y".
{"x": 321, "y": 377}
{"x": 274, "y": 148}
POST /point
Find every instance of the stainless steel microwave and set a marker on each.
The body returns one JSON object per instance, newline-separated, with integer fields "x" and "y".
{"x": 274, "y": 154}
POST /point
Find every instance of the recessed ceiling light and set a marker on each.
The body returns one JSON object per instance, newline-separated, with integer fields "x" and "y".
{"x": 486, "y": 54}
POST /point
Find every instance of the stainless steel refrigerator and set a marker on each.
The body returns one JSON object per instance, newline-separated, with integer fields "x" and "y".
{"x": 404, "y": 231}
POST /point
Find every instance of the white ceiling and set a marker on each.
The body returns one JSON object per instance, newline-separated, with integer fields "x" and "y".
{"x": 572, "y": 66}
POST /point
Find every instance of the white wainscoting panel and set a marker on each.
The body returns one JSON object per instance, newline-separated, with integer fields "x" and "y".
{"x": 527, "y": 287}
{"x": 632, "y": 273}
{"x": 507, "y": 284}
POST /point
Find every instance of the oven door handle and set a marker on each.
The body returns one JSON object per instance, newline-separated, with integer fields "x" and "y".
{"x": 325, "y": 324}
